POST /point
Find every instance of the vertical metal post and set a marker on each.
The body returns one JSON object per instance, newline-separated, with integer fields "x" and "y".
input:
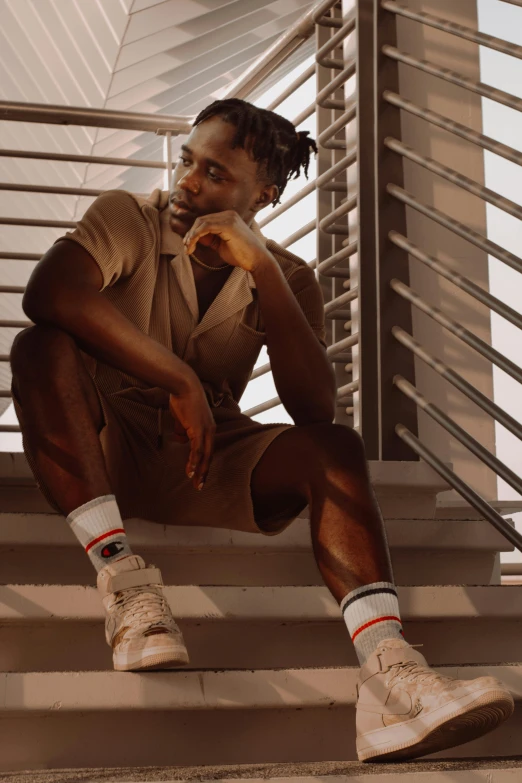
{"x": 365, "y": 266}
{"x": 329, "y": 200}
{"x": 392, "y": 262}
{"x": 168, "y": 149}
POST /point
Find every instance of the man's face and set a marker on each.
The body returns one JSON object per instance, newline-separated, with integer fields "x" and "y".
{"x": 210, "y": 177}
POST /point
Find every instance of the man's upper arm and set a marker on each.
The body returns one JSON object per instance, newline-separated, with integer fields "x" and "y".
{"x": 308, "y": 293}
{"x": 106, "y": 245}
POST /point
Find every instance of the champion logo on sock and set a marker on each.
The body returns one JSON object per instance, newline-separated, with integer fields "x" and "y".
{"x": 112, "y": 549}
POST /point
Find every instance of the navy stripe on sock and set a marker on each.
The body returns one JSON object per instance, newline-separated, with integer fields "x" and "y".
{"x": 373, "y": 591}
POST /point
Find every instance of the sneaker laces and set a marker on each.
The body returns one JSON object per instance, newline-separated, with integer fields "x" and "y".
{"x": 148, "y": 609}
{"x": 408, "y": 671}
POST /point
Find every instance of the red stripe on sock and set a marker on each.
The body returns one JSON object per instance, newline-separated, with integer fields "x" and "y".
{"x": 373, "y": 622}
{"x": 104, "y": 535}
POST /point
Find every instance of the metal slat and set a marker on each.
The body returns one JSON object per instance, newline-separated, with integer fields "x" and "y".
{"x": 482, "y": 39}
{"x": 476, "y": 448}
{"x": 67, "y": 158}
{"x": 459, "y": 280}
{"x": 506, "y": 98}
{"x": 487, "y": 405}
{"x": 486, "y": 142}
{"x": 486, "y": 194}
{"x": 460, "y": 229}
{"x": 454, "y": 481}
{"x": 458, "y": 330}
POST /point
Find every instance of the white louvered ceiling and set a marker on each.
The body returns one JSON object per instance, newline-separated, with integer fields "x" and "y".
{"x": 153, "y": 56}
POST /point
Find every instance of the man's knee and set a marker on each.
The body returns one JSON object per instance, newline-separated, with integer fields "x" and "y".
{"x": 39, "y": 347}
{"x": 334, "y": 443}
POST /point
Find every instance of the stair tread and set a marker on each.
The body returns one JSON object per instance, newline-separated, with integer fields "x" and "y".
{"x": 40, "y": 529}
{"x": 337, "y": 771}
{"x": 25, "y": 692}
{"x": 54, "y": 603}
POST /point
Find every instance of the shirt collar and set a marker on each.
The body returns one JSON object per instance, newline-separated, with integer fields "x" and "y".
{"x": 172, "y": 243}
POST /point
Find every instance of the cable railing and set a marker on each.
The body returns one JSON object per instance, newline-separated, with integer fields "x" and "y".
{"x": 325, "y": 16}
{"x": 388, "y": 95}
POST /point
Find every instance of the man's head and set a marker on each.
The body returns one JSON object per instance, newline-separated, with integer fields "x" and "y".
{"x": 238, "y": 157}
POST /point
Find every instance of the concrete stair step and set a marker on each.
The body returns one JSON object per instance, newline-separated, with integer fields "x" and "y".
{"x": 78, "y": 719}
{"x": 55, "y": 628}
{"x": 472, "y": 771}
{"x": 40, "y": 548}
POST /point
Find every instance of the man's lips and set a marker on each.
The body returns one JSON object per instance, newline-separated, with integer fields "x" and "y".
{"x": 180, "y": 207}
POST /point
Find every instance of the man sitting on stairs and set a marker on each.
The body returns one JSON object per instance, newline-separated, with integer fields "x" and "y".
{"x": 149, "y": 318}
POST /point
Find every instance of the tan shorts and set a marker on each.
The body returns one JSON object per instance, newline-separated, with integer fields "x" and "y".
{"x": 150, "y": 482}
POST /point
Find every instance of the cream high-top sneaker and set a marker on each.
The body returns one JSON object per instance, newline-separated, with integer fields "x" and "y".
{"x": 139, "y": 625}
{"x": 406, "y": 710}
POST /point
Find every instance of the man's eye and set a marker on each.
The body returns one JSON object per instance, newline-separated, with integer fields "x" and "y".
{"x": 215, "y": 177}
{"x": 182, "y": 160}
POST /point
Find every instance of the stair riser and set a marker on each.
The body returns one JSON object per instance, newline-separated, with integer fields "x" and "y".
{"x": 202, "y": 737}
{"x": 68, "y": 565}
{"x": 73, "y": 646}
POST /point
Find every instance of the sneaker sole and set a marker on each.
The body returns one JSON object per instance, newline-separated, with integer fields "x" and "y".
{"x": 156, "y": 658}
{"x": 453, "y": 724}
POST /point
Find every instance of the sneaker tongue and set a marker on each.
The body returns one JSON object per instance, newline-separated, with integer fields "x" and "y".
{"x": 395, "y": 643}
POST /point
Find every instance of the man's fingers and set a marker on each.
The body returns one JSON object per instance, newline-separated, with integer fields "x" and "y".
{"x": 207, "y": 454}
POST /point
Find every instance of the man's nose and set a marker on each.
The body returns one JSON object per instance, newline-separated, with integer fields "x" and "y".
{"x": 189, "y": 181}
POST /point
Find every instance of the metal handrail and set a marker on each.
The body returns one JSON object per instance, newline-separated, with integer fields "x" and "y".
{"x": 69, "y": 158}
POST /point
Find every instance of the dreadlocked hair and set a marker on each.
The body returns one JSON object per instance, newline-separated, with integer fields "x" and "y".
{"x": 277, "y": 147}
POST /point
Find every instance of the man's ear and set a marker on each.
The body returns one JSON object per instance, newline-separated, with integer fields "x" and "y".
{"x": 267, "y": 195}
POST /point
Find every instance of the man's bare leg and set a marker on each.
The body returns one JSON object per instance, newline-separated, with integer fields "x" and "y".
{"x": 62, "y": 416}
{"x": 404, "y": 708}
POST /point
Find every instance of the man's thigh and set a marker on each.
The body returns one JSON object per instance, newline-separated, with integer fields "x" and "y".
{"x": 278, "y": 482}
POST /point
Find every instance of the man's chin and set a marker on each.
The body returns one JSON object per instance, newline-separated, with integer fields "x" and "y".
{"x": 179, "y": 226}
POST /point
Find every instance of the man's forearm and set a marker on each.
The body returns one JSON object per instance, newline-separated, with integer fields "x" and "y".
{"x": 103, "y": 332}
{"x": 303, "y": 376}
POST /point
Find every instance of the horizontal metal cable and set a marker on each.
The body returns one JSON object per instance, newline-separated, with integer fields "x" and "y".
{"x": 299, "y": 234}
{"x": 340, "y": 345}
{"x": 326, "y": 140}
{"x": 349, "y": 388}
{"x": 327, "y": 267}
{"x": 10, "y": 428}
{"x": 341, "y": 165}
{"x": 7, "y": 221}
{"x": 339, "y": 315}
{"x": 67, "y": 158}
{"x": 469, "y": 494}
{"x": 15, "y": 324}
{"x": 459, "y": 280}
{"x": 454, "y": 29}
{"x": 343, "y": 299}
{"x": 4, "y": 357}
{"x": 486, "y": 194}
{"x": 486, "y": 142}
{"x": 12, "y": 289}
{"x": 301, "y": 79}
{"x": 451, "y": 426}
{"x": 514, "y": 2}
{"x": 454, "y": 77}
{"x": 5, "y": 394}
{"x": 487, "y": 405}
{"x": 348, "y": 26}
{"x": 310, "y": 109}
{"x": 97, "y": 118}
{"x": 21, "y": 256}
{"x": 479, "y": 240}
{"x": 9, "y": 186}
{"x": 323, "y": 99}
{"x": 328, "y": 224}
{"x": 262, "y": 407}
{"x": 458, "y": 330}
{"x": 292, "y": 201}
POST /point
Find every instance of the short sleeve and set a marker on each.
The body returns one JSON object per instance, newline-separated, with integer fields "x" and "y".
{"x": 308, "y": 293}
{"x": 115, "y": 233}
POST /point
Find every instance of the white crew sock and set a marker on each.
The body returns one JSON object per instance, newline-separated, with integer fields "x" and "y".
{"x": 371, "y": 613}
{"x": 98, "y": 527}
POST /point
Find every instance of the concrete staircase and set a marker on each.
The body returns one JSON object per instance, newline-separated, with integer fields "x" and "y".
{"x": 271, "y": 688}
